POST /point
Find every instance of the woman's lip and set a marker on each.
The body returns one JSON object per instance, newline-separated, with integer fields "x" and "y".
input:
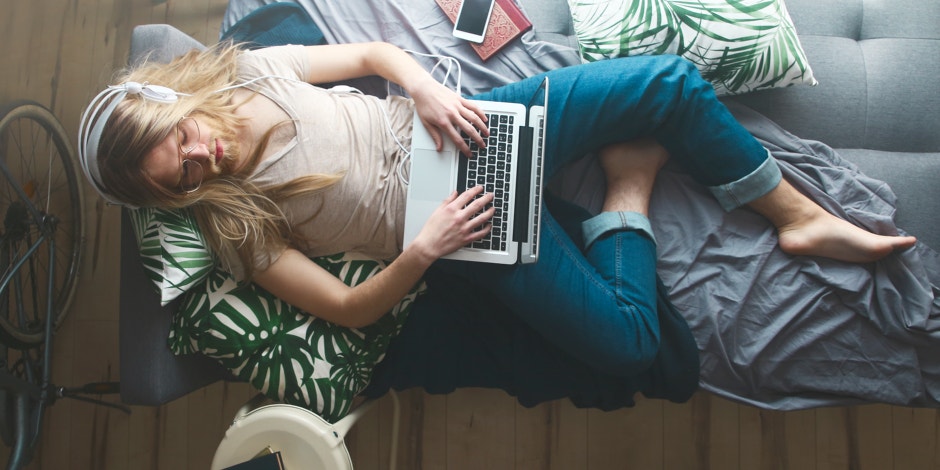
{"x": 218, "y": 151}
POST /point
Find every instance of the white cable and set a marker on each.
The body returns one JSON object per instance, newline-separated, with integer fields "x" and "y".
{"x": 441, "y": 59}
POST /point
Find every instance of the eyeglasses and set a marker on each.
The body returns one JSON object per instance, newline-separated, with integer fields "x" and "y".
{"x": 187, "y": 137}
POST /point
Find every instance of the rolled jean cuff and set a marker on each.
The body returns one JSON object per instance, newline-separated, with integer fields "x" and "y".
{"x": 597, "y": 226}
{"x": 752, "y": 186}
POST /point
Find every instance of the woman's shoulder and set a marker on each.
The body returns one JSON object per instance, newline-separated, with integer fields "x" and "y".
{"x": 288, "y": 61}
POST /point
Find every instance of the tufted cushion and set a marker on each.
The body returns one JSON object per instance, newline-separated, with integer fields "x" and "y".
{"x": 550, "y": 21}
{"x": 878, "y": 66}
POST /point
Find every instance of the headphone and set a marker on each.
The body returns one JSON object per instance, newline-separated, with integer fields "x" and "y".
{"x": 95, "y": 117}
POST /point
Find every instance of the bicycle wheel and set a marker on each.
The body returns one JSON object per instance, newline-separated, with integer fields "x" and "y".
{"x": 40, "y": 195}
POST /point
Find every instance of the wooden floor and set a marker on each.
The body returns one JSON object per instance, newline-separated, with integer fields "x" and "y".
{"x": 61, "y": 52}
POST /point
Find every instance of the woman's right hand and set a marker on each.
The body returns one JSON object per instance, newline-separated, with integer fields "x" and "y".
{"x": 459, "y": 220}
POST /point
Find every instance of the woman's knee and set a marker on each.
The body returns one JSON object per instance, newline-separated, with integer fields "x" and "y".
{"x": 631, "y": 351}
{"x": 673, "y": 69}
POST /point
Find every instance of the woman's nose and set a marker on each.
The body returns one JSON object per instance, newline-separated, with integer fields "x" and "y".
{"x": 200, "y": 154}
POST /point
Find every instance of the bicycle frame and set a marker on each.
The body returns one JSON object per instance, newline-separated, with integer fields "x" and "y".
{"x": 31, "y": 400}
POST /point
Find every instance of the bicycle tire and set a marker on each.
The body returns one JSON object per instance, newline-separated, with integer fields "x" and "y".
{"x": 28, "y": 130}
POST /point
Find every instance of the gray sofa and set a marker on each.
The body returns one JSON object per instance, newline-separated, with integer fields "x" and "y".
{"x": 878, "y": 98}
{"x": 877, "y": 103}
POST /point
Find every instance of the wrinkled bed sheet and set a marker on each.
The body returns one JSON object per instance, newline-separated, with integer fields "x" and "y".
{"x": 775, "y": 331}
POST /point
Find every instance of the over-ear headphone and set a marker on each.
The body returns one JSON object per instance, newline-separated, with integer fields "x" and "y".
{"x": 95, "y": 117}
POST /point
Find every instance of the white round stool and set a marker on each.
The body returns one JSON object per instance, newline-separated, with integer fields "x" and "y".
{"x": 304, "y": 439}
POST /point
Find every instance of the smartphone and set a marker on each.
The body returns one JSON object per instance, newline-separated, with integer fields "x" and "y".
{"x": 472, "y": 19}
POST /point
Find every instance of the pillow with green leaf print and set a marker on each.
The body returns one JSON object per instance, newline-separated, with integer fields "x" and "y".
{"x": 737, "y": 45}
{"x": 289, "y": 355}
{"x": 172, "y": 249}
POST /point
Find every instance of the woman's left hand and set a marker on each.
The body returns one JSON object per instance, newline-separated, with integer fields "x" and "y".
{"x": 446, "y": 114}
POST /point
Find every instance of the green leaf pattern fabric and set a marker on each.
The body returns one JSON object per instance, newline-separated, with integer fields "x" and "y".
{"x": 172, "y": 249}
{"x": 289, "y": 355}
{"x": 738, "y": 45}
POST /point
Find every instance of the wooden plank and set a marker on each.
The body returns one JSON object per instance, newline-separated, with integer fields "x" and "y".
{"x": 682, "y": 426}
{"x": 76, "y": 83}
{"x": 17, "y": 52}
{"x": 632, "y": 437}
{"x": 703, "y": 433}
{"x": 388, "y": 435}
{"x": 205, "y": 424}
{"x": 188, "y": 16}
{"x": 870, "y": 442}
{"x": 43, "y": 36}
{"x": 833, "y": 436}
{"x": 173, "y": 435}
{"x": 423, "y": 431}
{"x": 569, "y": 437}
{"x": 751, "y": 447}
{"x": 480, "y": 429}
{"x": 915, "y": 438}
{"x": 143, "y": 436}
{"x": 363, "y": 439}
{"x": 369, "y": 441}
{"x": 95, "y": 437}
{"x": 534, "y": 436}
{"x": 788, "y": 439}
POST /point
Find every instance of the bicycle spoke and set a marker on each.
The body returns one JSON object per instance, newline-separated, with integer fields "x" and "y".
{"x": 40, "y": 200}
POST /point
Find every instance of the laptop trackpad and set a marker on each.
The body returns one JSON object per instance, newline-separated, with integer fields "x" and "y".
{"x": 431, "y": 175}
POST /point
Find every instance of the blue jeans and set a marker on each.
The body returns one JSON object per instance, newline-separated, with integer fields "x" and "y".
{"x": 594, "y": 301}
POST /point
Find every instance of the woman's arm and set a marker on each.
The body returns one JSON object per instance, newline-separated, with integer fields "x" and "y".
{"x": 300, "y": 282}
{"x": 443, "y": 112}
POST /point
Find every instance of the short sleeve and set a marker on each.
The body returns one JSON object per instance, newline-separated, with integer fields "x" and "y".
{"x": 282, "y": 61}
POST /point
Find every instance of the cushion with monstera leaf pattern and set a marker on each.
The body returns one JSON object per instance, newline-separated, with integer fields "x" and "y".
{"x": 289, "y": 355}
{"x": 737, "y": 45}
{"x": 172, "y": 249}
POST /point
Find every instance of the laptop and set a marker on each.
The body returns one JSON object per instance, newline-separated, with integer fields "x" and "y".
{"x": 510, "y": 167}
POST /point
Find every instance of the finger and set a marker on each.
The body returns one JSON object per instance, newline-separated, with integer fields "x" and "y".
{"x": 450, "y": 198}
{"x": 479, "y": 203}
{"x": 477, "y": 118}
{"x": 472, "y": 130}
{"x": 435, "y": 135}
{"x": 481, "y": 218}
{"x": 454, "y": 134}
{"x": 473, "y": 106}
{"x": 481, "y": 222}
{"x": 480, "y": 234}
{"x": 468, "y": 195}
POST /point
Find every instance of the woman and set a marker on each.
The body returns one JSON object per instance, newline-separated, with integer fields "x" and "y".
{"x": 277, "y": 170}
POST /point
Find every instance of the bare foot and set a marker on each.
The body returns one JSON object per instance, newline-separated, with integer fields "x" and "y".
{"x": 831, "y": 237}
{"x": 630, "y": 169}
{"x": 804, "y": 228}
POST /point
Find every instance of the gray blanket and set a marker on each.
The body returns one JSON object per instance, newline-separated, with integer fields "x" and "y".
{"x": 775, "y": 331}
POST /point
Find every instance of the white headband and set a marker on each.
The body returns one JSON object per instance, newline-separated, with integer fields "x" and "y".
{"x": 98, "y": 112}
{"x": 95, "y": 117}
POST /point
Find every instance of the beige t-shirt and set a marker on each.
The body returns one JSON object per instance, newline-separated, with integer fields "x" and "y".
{"x": 359, "y": 136}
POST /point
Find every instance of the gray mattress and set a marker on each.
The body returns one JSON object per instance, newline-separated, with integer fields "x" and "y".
{"x": 774, "y": 331}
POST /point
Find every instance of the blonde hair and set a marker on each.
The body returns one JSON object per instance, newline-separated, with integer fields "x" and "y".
{"x": 235, "y": 216}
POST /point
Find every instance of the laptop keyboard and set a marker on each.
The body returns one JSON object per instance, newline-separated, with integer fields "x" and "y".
{"x": 490, "y": 167}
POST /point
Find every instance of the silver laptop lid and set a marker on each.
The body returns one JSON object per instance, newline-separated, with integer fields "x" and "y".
{"x": 538, "y": 110}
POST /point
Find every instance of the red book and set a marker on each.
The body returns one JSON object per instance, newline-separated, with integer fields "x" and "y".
{"x": 507, "y": 22}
